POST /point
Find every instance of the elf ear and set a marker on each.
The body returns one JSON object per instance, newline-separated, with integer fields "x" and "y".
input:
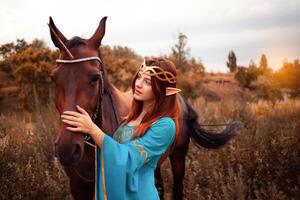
{"x": 171, "y": 91}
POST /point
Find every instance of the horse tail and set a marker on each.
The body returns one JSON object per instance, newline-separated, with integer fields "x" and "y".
{"x": 209, "y": 139}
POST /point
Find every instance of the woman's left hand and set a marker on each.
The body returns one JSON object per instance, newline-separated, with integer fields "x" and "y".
{"x": 81, "y": 121}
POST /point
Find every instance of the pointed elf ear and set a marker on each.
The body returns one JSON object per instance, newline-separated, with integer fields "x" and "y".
{"x": 171, "y": 91}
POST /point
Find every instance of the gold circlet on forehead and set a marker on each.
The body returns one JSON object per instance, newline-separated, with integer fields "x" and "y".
{"x": 157, "y": 72}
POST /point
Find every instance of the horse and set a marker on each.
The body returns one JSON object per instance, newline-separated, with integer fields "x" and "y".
{"x": 80, "y": 78}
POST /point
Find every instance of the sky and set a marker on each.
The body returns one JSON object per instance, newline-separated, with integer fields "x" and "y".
{"x": 213, "y": 28}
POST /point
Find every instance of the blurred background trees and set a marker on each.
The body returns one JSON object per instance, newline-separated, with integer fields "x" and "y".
{"x": 29, "y": 66}
{"x": 190, "y": 71}
{"x": 231, "y": 63}
{"x": 25, "y": 69}
{"x": 268, "y": 84}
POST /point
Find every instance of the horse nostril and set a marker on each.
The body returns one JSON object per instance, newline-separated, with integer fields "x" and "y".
{"x": 76, "y": 152}
{"x": 77, "y": 149}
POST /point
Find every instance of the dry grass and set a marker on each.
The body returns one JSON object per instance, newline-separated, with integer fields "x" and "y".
{"x": 262, "y": 162}
{"x": 28, "y": 169}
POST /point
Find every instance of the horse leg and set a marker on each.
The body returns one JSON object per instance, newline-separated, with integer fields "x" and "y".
{"x": 159, "y": 183}
{"x": 177, "y": 159}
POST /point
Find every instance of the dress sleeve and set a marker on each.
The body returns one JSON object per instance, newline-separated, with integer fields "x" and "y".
{"x": 120, "y": 162}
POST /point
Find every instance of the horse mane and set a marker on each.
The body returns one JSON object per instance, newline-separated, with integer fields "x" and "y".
{"x": 109, "y": 110}
{"x": 76, "y": 42}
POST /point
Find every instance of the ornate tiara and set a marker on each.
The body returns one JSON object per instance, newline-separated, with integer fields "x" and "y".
{"x": 157, "y": 72}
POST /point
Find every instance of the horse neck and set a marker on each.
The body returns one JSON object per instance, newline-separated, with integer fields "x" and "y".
{"x": 114, "y": 107}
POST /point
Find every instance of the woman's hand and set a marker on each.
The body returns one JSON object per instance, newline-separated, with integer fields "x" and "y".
{"x": 81, "y": 121}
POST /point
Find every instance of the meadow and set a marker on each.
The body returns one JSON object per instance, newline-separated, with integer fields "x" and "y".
{"x": 261, "y": 162}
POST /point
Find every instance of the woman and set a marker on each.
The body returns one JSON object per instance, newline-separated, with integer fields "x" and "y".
{"x": 125, "y": 164}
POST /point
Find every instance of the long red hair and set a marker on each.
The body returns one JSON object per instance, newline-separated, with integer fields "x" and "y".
{"x": 164, "y": 106}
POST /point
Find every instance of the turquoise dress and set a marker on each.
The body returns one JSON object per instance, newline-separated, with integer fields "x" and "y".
{"x": 125, "y": 166}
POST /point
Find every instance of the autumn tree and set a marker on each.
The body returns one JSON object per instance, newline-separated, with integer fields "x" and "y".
{"x": 32, "y": 64}
{"x": 288, "y": 77}
{"x": 121, "y": 64}
{"x": 246, "y": 75}
{"x": 231, "y": 63}
{"x": 266, "y": 87}
{"x": 7, "y": 50}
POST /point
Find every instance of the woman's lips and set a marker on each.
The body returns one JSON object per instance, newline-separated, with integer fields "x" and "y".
{"x": 137, "y": 92}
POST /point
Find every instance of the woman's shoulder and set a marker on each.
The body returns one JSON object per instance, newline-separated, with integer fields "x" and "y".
{"x": 163, "y": 121}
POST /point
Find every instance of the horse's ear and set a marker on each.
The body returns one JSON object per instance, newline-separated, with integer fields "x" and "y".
{"x": 56, "y": 36}
{"x": 95, "y": 40}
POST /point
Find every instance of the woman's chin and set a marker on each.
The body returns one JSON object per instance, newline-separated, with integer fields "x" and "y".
{"x": 137, "y": 97}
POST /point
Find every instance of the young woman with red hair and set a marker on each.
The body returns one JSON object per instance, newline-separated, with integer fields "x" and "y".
{"x": 125, "y": 164}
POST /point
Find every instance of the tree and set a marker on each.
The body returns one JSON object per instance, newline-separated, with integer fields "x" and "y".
{"x": 252, "y": 64}
{"x": 267, "y": 88}
{"x": 180, "y": 52}
{"x": 231, "y": 64}
{"x": 288, "y": 77}
{"x": 32, "y": 67}
{"x": 263, "y": 64}
{"x": 245, "y": 76}
{"x": 121, "y": 64}
{"x": 8, "y": 49}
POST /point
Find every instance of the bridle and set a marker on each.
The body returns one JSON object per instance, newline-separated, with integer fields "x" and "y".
{"x": 100, "y": 93}
{"x": 99, "y": 104}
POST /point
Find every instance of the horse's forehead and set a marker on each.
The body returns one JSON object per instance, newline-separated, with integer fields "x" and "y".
{"x": 83, "y": 51}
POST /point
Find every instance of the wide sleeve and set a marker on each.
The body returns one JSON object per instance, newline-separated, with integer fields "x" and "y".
{"x": 117, "y": 164}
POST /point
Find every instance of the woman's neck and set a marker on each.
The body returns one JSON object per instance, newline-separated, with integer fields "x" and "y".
{"x": 147, "y": 105}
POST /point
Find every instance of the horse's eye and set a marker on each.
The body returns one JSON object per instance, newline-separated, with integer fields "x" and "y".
{"x": 52, "y": 78}
{"x": 95, "y": 78}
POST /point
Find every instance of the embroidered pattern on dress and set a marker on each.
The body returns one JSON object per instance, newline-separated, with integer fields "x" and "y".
{"x": 141, "y": 150}
{"x": 124, "y": 134}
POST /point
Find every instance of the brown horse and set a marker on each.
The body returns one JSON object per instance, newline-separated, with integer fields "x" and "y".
{"x": 81, "y": 79}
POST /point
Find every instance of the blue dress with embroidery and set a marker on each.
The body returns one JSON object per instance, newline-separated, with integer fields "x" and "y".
{"x": 125, "y": 166}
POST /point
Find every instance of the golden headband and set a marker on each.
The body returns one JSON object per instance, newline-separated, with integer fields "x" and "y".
{"x": 157, "y": 72}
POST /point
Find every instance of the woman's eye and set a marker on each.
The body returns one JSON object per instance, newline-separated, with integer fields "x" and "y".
{"x": 148, "y": 82}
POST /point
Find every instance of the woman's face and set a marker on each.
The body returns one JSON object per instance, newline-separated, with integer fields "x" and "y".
{"x": 143, "y": 88}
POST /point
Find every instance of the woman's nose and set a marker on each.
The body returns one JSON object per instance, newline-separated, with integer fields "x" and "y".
{"x": 138, "y": 83}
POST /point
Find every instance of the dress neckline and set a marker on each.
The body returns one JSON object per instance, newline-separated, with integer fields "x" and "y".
{"x": 130, "y": 125}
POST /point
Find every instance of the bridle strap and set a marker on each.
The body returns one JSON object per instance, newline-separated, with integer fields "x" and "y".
{"x": 95, "y": 114}
{"x": 101, "y": 90}
{"x": 79, "y": 60}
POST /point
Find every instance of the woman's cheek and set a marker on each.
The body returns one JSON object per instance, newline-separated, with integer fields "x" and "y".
{"x": 149, "y": 93}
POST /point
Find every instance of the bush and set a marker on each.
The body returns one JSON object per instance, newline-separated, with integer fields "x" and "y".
{"x": 267, "y": 88}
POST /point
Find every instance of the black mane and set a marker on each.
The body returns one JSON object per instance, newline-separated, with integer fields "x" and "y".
{"x": 76, "y": 42}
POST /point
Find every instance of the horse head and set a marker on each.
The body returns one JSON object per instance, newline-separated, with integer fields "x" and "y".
{"x": 78, "y": 79}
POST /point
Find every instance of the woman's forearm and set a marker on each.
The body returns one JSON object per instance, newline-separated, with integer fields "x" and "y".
{"x": 98, "y": 135}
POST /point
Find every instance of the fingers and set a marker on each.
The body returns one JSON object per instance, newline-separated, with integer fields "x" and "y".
{"x": 74, "y": 129}
{"x": 71, "y": 122}
{"x": 73, "y": 113}
{"x": 71, "y": 118}
{"x": 82, "y": 110}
